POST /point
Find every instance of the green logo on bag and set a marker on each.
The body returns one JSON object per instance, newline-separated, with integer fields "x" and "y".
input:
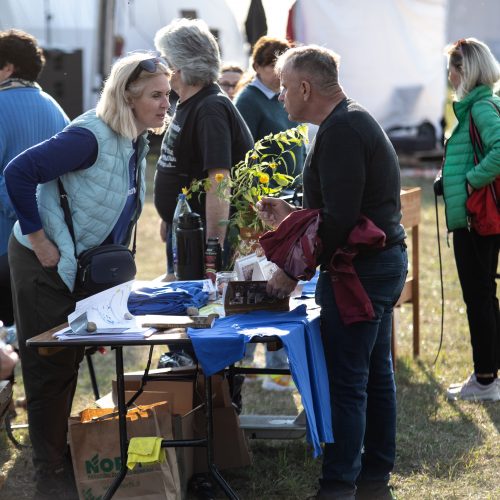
{"x": 105, "y": 465}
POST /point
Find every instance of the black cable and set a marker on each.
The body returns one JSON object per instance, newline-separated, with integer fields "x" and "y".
{"x": 440, "y": 279}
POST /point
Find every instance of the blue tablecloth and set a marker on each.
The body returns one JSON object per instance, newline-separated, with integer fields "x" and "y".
{"x": 224, "y": 344}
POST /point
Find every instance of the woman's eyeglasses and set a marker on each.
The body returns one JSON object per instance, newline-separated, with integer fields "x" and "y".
{"x": 148, "y": 65}
{"x": 227, "y": 85}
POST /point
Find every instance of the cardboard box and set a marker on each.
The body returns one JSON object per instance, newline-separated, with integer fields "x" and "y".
{"x": 186, "y": 399}
{"x": 230, "y": 444}
{"x": 179, "y": 393}
{"x": 221, "y": 396}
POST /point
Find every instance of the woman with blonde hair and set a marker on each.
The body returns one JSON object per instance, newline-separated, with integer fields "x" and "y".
{"x": 100, "y": 158}
{"x": 474, "y": 74}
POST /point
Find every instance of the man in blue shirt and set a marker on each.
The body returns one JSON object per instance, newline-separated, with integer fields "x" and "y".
{"x": 28, "y": 116}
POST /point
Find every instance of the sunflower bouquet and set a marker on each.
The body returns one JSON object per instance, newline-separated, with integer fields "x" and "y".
{"x": 259, "y": 174}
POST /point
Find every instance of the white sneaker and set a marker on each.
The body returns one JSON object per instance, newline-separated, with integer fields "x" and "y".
{"x": 472, "y": 390}
{"x": 460, "y": 384}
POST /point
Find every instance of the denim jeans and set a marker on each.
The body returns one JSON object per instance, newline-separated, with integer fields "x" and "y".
{"x": 361, "y": 376}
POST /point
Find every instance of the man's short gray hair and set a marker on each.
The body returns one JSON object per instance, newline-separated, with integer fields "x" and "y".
{"x": 318, "y": 64}
{"x": 189, "y": 45}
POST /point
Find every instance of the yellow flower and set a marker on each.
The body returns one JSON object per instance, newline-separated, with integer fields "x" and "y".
{"x": 219, "y": 177}
{"x": 185, "y": 190}
{"x": 273, "y": 165}
{"x": 254, "y": 156}
{"x": 263, "y": 178}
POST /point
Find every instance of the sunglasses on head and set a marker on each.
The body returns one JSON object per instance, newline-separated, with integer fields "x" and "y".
{"x": 148, "y": 65}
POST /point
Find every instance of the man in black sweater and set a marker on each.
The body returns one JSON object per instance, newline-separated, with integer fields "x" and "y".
{"x": 351, "y": 171}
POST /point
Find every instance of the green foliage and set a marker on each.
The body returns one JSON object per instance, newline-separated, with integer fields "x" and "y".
{"x": 254, "y": 177}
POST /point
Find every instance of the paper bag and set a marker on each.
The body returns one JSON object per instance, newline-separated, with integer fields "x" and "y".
{"x": 95, "y": 451}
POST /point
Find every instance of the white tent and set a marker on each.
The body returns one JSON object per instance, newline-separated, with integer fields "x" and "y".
{"x": 392, "y": 50}
{"x": 69, "y": 25}
{"x": 391, "y": 53}
{"x": 138, "y": 21}
{"x": 64, "y": 25}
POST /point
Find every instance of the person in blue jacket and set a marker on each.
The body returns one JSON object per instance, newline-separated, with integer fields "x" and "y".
{"x": 100, "y": 159}
{"x": 28, "y": 116}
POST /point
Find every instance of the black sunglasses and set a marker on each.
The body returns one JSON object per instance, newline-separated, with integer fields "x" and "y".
{"x": 148, "y": 65}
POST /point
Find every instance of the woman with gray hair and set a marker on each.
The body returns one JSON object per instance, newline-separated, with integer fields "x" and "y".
{"x": 207, "y": 135}
{"x": 100, "y": 158}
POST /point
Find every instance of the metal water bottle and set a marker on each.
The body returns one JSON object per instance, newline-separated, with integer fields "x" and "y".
{"x": 182, "y": 207}
{"x": 213, "y": 258}
{"x": 190, "y": 239}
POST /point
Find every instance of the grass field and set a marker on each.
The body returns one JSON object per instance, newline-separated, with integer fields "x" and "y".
{"x": 446, "y": 450}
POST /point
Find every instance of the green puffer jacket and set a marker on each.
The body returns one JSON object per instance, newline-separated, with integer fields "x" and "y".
{"x": 458, "y": 168}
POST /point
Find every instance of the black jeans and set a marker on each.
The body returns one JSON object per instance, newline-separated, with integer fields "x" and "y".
{"x": 477, "y": 259}
{"x": 6, "y": 311}
{"x": 41, "y": 302}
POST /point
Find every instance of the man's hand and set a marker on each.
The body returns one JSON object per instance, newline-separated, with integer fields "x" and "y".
{"x": 280, "y": 285}
{"x": 8, "y": 359}
{"x": 46, "y": 252}
{"x": 273, "y": 210}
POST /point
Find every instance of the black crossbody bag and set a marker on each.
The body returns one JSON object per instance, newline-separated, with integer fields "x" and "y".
{"x": 104, "y": 266}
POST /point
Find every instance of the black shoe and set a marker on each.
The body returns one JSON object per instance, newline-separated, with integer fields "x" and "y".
{"x": 175, "y": 360}
{"x": 57, "y": 484}
{"x": 324, "y": 494}
{"x": 201, "y": 486}
{"x": 374, "y": 490}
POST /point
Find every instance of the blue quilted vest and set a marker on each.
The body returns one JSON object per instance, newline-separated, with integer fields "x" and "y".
{"x": 96, "y": 195}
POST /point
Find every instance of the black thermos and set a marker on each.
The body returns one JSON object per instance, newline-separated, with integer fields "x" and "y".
{"x": 190, "y": 247}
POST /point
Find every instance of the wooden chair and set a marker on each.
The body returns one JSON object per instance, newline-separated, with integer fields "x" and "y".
{"x": 410, "y": 206}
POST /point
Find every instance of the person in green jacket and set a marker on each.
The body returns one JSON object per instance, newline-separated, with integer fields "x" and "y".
{"x": 474, "y": 74}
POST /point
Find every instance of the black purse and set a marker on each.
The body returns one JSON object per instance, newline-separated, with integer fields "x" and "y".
{"x": 104, "y": 266}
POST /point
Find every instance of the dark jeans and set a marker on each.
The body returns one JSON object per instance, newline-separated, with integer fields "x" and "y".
{"x": 6, "y": 309}
{"x": 362, "y": 388}
{"x": 41, "y": 302}
{"x": 477, "y": 259}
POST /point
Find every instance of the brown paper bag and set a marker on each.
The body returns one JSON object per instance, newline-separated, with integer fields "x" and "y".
{"x": 95, "y": 451}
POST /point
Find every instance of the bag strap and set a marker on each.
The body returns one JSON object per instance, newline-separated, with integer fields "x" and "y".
{"x": 475, "y": 137}
{"x": 63, "y": 197}
{"x": 477, "y": 145}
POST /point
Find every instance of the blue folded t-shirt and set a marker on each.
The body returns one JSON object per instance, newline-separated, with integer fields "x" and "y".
{"x": 168, "y": 298}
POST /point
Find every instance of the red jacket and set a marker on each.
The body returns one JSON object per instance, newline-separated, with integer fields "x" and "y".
{"x": 294, "y": 246}
{"x": 352, "y": 300}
